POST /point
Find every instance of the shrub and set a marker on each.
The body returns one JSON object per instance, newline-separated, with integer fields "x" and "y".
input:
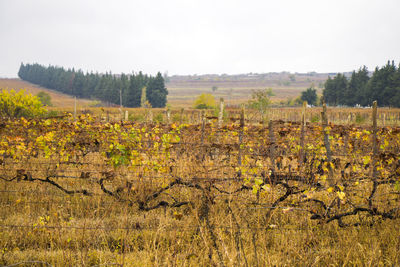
{"x": 315, "y": 118}
{"x": 360, "y": 118}
{"x": 158, "y": 118}
{"x": 18, "y": 104}
{"x": 137, "y": 117}
{"x": 45, "y": 98}
{"x": 261, "y": 99}
{"x": 205, "y": 101}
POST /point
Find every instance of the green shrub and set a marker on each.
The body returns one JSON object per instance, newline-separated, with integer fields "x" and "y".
{"x": 137, "y": 117}
{"x": 360, "y": 118}
{"x": 315, "y": 118}
{"x": 159, "y": 118}
{"x": 18, "y": 104}
{"x": 53, "y": 113}
{"x": 45, "y": 98}
{"x": 95, "y": 104}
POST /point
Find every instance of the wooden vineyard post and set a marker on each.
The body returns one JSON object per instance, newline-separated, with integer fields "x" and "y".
{"x": 272, "y": 142}
{"x": 326, "y": 141}
{"x": 384, "y": 119}
{"x": 168, "y": 112}
{"x": 200, "y": 118}
{"x": 241, "y": 138}
{"x": 126, "y": 115}
{"x": 303, "y": 124}
{"x": 120, "y": 105}
{"x": 203, "y": 125}
{"x": 75, "y": 108}
{"x": 221, "y": 113}
{"x": 374, "y": 139}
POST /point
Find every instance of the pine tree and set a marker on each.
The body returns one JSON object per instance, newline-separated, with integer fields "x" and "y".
{"x": 335, "y": 90}
{"x": 310, "y": 95}
{"x": 134, "y": 93}
{"x": 156, "y": 92}
{"x": 106, "y": 87}
{"x": 356, "y": 89}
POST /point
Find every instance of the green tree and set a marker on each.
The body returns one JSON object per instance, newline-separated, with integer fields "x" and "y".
{"x": 134, "y": 91}
{"x": 205, "y": 101}
{"x": 335, "y": 90}
{"x": 106, "y": 87}
{"x": 310, "y": 95}
{"x": 156, "y": 92}
{"x": 45, "y": 98}
{"x": 382, "y": 85}
{"x": 356, "y": 89}
{"x": 261, "y": 99}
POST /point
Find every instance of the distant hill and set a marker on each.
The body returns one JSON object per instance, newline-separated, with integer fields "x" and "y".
{"x": 237, "y": 88}
{"x": 57, "y": 99}
{"x": 183, "y": 89}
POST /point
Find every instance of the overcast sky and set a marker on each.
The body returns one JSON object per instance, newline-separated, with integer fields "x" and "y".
{"x": 199, "y": 36}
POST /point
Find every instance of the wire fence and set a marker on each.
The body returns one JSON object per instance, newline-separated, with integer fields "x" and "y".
{"x": 286, "y": 176}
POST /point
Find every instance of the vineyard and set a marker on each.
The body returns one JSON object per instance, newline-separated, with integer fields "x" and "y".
{"x": 232, "y": 193}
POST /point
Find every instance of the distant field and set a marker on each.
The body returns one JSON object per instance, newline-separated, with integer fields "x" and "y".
{"x": 183, "y": 90}
{"x": 237, "y": 89}
{"x": 58, "y": 99}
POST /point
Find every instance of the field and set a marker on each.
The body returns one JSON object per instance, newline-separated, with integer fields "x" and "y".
{"x": 183, "y": 90}
{"x": 196, "y": 191}
{"x": 236, "y": 89}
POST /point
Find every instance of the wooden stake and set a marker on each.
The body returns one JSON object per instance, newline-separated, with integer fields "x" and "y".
{"x": 241, "y": 136}
{"x": 203, "y": 125}
{"x": 326, "y": 141}
{"x": 221, "y": 113}
{"x": 272, "y": 145}
{"x": 168, "y": 116}
{"x": 374, "y": 139}
{"x": 303, "y": 124}
{"x": 75, "y": 108}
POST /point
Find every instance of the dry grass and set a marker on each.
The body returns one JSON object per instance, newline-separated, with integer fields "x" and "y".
{"x": 160, "y": 237}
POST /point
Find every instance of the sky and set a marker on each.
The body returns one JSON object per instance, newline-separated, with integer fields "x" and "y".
{"x": 199, "y": 36}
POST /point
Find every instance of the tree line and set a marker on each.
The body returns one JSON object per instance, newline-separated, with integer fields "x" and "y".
{"x": 105, "y": 87}
{"x": 362, "y": 88}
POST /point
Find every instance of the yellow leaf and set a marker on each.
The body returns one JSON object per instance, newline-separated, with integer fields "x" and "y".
{"x": 366, "y": 160}
{"x": 341, "y": 195}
